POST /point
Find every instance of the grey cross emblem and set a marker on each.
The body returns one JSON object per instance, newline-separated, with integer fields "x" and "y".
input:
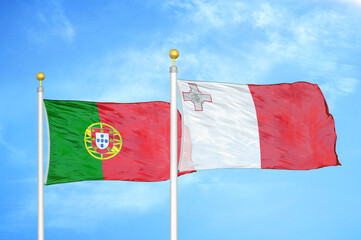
{"x": 196, "y": 97}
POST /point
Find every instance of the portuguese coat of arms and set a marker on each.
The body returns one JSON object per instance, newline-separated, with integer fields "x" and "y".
{"x": 102, "y": 141}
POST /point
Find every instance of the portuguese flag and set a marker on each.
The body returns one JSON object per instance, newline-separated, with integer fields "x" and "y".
{"x": 108, "y": 141}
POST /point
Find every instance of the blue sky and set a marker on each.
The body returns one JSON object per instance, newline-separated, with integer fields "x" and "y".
{"x": 118, "y": 51}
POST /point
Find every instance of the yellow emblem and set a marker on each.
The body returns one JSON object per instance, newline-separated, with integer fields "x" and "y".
{"x": 102, "y": 141}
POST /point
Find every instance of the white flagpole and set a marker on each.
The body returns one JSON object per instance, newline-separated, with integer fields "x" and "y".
{"x": 173, "y": 148}
{"x": 40, "y": 76}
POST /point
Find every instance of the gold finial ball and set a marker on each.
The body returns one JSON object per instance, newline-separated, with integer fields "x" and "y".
{"x": 40, "y": 76}
{"x": 173, "y": 53}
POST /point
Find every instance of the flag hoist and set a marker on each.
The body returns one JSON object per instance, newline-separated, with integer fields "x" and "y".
{"x": 173, "y": 147}
{"x": 40, "y": 76}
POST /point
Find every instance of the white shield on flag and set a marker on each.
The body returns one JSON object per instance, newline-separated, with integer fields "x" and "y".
{"x": 102, "y": 140}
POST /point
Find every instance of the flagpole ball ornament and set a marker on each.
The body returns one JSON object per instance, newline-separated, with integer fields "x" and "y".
{"x": 40, "y": 76}
{"x": 173, "y": 54}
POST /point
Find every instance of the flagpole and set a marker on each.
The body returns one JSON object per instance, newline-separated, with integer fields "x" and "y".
{"x": 173, "y": 148}
{"x": 40, "y": 76}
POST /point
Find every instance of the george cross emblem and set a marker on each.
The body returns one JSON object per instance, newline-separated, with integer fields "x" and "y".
{"x": 196, "y": 97}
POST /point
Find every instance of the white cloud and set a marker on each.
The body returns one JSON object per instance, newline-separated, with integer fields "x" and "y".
{"x": 348, "y": 85}
{"x": 274, "y": 35}
{"x": 356, "y": 3}
{"x": 84, "y": 205}
{"x": 305, "y": 40}
{"x": 14, "y": 151}
{"x": 52, "y": 22}
{"x": 134, "y": 75}
{"x": 267, "y": 16}
{"x": 335, "y": 88}
{"x": 123, "y": 75}
{"x": 313, "y": 43}
{"x": 210, "y": 13}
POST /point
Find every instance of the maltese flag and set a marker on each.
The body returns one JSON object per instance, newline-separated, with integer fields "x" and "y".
{"x": 280, "y": 126}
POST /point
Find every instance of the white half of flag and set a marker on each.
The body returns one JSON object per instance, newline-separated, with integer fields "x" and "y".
{"x": 281, "y": 126}
{"x": 209, "y": 109}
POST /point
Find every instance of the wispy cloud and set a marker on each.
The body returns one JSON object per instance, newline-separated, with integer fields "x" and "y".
{"x": 270, "y": 43}
{"x": 348, "y": 85}
{"x": 356, "y": 3}
{"x": 136, "y": 75}
{"x": 336, "y": 88}
{"x": 83, "y": 206}
{"x": 80, "y": 205}
{"x": 211, "y": 14}
{"x": 52, "y": 21}
{"x": 13, "y": 150}
{"x": 267, "y": 16}
{"x": 315, "y": 43}
{"x": 312, "y": 41}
